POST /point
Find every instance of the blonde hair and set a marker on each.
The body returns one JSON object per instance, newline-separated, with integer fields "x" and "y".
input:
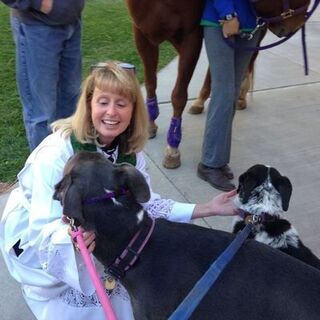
{"x": 108, "y": 76}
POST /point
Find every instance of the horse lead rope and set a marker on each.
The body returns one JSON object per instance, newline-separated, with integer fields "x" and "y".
{"x": 191, "y": 301}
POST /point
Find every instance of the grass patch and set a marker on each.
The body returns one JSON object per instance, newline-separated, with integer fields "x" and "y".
{"x": 106, "y": 35}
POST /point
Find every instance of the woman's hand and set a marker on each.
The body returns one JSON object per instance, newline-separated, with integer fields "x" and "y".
{"x": 230, "y": 27}
{"x": 88, "y": 238}
{"x": 221, "y": 205}
{"x": 46, "y": 6}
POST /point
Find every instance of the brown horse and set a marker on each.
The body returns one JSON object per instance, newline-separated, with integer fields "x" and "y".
{"x": 178, "y": 21}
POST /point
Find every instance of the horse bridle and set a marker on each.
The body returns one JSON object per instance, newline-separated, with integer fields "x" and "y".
{"x": 285, "y": 14}
{"x": 262, "y": 22}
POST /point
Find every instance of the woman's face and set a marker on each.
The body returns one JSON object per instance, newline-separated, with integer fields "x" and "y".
{"x": 111, "y": 114}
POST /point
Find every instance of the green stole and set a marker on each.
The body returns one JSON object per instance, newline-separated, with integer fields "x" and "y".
{"x": 77, "y": 146}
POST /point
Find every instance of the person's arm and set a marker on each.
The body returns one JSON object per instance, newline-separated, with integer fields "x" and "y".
{"x": 228, "y": 17}
{"x": 230, "y": 27}
{"x": 184, "y": 212}
{"x": 48, "y": 234}
{"x": 221, "y": 205}
{"x": 44, "y": 6}
{"x": 224, "y": 7}
{"x": 20, "y": 4}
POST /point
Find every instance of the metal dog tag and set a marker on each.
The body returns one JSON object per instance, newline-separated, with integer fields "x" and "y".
{"x": 110, "y": 283}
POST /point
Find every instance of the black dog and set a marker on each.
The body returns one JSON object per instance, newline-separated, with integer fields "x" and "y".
{"x": 264, "y": 193}
{"x": 259, "y": 283}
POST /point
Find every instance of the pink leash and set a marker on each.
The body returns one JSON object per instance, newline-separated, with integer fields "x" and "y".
{"x": 78, "y": 237}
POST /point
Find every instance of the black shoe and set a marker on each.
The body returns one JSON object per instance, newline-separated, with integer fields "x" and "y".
{"x": 216, "y": 177}
{"x": 227, "y": 172}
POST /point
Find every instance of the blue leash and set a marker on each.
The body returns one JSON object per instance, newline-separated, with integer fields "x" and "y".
{"x": 191, "y": 301}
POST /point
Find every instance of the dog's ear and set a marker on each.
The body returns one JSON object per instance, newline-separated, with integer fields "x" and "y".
{"x": 61, "y": 188}
{"x": 247, "y": 182}
{"x": 284, "y": 187}
{"x": 134, "y": 180}
{"x": 69, "y": 196}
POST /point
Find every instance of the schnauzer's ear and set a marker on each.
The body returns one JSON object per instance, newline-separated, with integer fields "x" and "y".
{"x": 69, "y": 196}
{"x": 284, "y": 187}
{"x": 131, "y": 178}
{"x": 247, "y": 182}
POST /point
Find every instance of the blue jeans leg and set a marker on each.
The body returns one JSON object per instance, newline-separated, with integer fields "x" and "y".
{"x": 227, "y": 68}
{"x": 48, "y": 75}
{"x": 69, "y": 73}
{"x": 21, "y": 73}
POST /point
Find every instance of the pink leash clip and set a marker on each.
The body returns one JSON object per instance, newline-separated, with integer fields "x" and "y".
{"x": 78, "y": 237}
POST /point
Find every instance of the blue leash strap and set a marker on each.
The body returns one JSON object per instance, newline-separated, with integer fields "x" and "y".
{"x": 191, "y": 301}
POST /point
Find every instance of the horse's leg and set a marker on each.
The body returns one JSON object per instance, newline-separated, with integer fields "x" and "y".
{"x": 149, "y": 54}
{"x": 198, "y": 104}
{"x": 247, "y": 82}
{"x": 189, "y": 51}
{"x": 246, "y": 85}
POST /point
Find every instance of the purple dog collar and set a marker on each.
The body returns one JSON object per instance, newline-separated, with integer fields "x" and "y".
{"x": 106, "y": 196}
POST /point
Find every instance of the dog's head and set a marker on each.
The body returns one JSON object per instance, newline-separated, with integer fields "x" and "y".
{"x": 89, "y": 176}
{"x": 263, "y": 189}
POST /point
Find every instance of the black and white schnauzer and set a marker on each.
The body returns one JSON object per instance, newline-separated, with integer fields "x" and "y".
{"x": 264, "y": 195}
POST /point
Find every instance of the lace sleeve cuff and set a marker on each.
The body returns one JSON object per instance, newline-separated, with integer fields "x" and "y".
{"x": 170, "y": 210}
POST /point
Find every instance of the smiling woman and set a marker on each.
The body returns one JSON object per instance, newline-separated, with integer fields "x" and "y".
{"x": 110, "y": 107}
{"x": 112, "y": 102}
{"x": 111, "y": 115}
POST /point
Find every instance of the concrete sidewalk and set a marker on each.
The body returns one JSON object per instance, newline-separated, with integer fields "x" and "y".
{"x": 280, "y": 127}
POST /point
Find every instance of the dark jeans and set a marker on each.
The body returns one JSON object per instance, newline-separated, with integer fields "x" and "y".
{"x": 48, "y": 67}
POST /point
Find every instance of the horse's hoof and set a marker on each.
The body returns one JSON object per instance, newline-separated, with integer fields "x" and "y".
{"x": 152, "y": 130}
{"x": 172, "y": 158}
{"x": 196, "y": 108}
{"x": 241, "y": 104}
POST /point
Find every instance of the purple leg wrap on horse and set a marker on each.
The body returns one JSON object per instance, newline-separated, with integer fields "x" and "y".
{"x": 153, "y": 108}
{"x": 174, "y": 133}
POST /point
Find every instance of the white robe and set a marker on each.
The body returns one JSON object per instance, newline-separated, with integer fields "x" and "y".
{"x": 53, "y": 277}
